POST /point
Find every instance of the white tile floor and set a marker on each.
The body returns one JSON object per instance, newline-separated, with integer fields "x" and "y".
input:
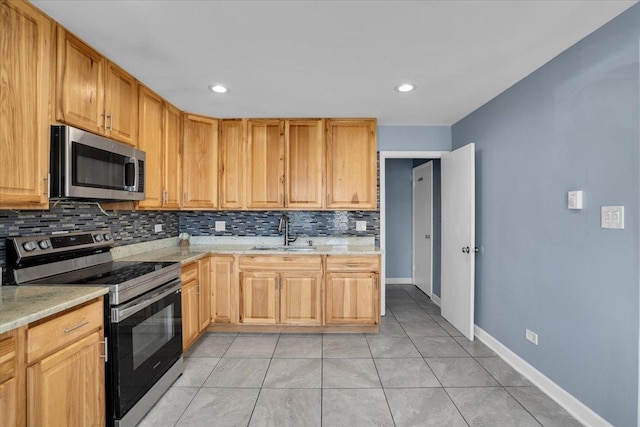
{"x": 418, "y": 371}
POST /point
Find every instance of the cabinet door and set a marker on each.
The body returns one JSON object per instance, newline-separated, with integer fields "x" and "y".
{"x": 80, "y": 84}
{"x": 190, "y": 320}
{"x": 150, "y": 141}
{"x": 304, "y": 163}
{"x": 67, "y": 388}
{"x": 265, "y": 164}
{"x": 172, "y": 171}
{"x": 232, "y": 143}
{"x": 120, "y": 104}
{"x": 26, "y": 51}
{"x": 9, "y": 403}
{"x": 204, "y": 293}
{"x": 258, "y": 297}
{"x": 223, "y": 290}
{"x": 351, "y": 164}
{"x": 351, "y": 298}
{"x": 200, "y": 162}
{"x": 300, "y": 298}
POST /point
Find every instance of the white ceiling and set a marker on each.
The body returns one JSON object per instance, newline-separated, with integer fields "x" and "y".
{"x": 332, "y": 58}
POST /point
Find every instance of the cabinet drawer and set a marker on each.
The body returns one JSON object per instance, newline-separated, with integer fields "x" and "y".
{"x": 48, "y": 336}
{"x": 353, "y": 263}
{"x": 7, "y": 355}
{"x": 189, "y": 272}
{"x": 280, "y": 262}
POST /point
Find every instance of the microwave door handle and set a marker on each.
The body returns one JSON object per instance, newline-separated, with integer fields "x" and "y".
{"x": 130, "y": 162}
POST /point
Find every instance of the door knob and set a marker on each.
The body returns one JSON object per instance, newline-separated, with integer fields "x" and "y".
{"x": 466, "y": 250}
{"x": 427, "y": 236}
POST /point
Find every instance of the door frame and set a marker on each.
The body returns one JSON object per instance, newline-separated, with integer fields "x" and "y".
{"x": 384, "y": 155}
{"x": 413, "y": 228}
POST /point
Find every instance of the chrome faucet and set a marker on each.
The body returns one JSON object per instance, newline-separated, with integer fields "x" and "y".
{"x": 284, "y": 221}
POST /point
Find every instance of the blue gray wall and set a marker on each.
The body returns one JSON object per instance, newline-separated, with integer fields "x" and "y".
{"x": 571, "y": 125}
{"x": 414, "y": 138}
{"x": 399, "y": 214}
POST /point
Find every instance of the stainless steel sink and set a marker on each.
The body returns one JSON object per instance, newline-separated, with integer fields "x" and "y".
{"x": 285, "y": 248}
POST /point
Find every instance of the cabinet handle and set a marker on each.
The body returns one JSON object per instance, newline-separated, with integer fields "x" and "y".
{"x": 104, "y": 115}
{"x": 111, "y": 121}
{"x": 106, "y": 350}
{"x": 73, "y": 328}
{"x": 198, "y": 289}
{"x": 46, "y": 185}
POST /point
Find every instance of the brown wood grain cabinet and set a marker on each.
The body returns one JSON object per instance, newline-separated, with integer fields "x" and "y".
{"x": 280, "y": 290}
{"x": 265, "y": 164}
{"x": 305, "y": 164}
{"x": 159, "y": 136}
{"x": 200, "y": 162}
{"x": 13, "y": 378}
{"x": 224, "y": 289}
{"x": 352, "y": 291}
{"x": 93, "y": 93}
{"x": 27, "y": 52}
{"x": 232, "y": 163}
{"x": 351, "y": 164}
{"x": 190, "y": 305}
{"x": 204, "y": 293}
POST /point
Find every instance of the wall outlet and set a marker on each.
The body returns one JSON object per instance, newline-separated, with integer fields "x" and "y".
{"x": 574, "y": 200}
{"x": 612, "y": 217}
{"x": 531, "y": 336}
{"x": 157, "y": 228}
{"x": 361, "y": 225}
{"x": 221, "y": 225}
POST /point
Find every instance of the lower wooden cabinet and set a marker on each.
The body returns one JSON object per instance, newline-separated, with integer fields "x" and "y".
{"x": 196, "y": 300}
{"x": 204, "y": 293}
{"x": 352, "y": 298}
{"x": 281, "y": 290}
{"x": 190, "y": 308}
{"x": 67, "y": 388}
{"x": 224, "y": 294}
{"x": 57, "y": 381}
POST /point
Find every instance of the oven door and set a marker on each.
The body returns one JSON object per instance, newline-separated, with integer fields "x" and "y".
{"x": 145, "y": 341}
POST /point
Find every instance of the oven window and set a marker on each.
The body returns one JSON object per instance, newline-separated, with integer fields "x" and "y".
{"x": 151, "y": 334}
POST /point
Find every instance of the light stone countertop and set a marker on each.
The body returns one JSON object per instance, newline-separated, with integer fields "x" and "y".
{"x": 197, "y": 251}
{"x": 20, "y": 305}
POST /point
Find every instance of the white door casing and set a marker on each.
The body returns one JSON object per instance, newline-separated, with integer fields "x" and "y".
{"x": 422, "y": 181}
{"x": 458, "y": 238}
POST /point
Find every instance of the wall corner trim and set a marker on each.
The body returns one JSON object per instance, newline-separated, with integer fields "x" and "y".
{"x": 577, "y": 409}
{"x": 436, "y": 299}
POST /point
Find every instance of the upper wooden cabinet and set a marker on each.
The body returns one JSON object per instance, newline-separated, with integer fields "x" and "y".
{"x": 151, "y": 142}
{"x": 305, "y": 164}
{"x": 26, "y": 53}
{"x": 200, "y": 162}
{"x": 172, "y": 167}
{"x": 231, "y": 167}
{"x": 351, "y": 164}
{"x": 93, "y": 93}
{"x": 159, "y": 137}
{"x": 265, "y": 163}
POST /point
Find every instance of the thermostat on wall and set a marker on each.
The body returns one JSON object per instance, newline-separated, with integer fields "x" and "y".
{"x": 575, "y": 200}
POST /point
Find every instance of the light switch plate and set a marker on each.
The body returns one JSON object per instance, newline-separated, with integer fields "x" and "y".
{"x": 574, "y": 200}
{"x": 612, "y": 217}
{"x": 221, "y": 226}
{"x": 361, "y": 225}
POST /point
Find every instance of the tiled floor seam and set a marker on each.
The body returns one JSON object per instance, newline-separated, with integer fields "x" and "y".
{"x": 263, "y": 379}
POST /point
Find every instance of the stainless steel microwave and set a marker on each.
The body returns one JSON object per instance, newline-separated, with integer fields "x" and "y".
{"x": 88, "y": 166}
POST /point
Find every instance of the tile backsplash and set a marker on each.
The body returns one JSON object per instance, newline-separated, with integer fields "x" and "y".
{"x": 131, "y": 227}
{"x": 128, "y": 227}
{"x": 265, "y": 223}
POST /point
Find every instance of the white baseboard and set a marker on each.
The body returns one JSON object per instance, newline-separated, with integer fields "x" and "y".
{"x": 398, "y": 280}
{"x": 435, "y": 298}
{"x": 577, "y": 409}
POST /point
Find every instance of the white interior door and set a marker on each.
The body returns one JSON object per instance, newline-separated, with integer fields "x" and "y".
{"x": 423, "y": 227}
{"x": 458, "y": 238}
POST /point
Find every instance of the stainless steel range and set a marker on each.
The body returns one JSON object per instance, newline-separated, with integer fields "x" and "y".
{"x": 143, "y": 324}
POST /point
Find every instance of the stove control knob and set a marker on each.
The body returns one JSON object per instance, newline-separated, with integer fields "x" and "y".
{"x": 44, "y": 244}
{"x": 29, "y": 246}
{"x": 107, "y": 236}
{"x": 98, "y": 237}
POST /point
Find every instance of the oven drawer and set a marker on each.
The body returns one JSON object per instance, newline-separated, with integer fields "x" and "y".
{"x": 50, "y": 335}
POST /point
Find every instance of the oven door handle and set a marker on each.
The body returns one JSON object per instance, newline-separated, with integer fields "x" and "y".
{"x": 120, "y": 313}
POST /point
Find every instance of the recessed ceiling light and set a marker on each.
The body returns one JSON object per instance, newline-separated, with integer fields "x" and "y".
{"x": 218, "y": 89}
{"x": 404, "y": 87}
